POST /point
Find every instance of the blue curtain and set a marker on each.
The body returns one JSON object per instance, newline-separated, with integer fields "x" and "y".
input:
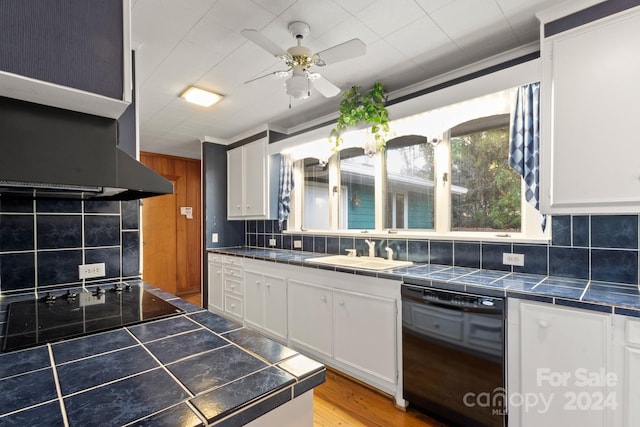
{"x": 524, "y": 143}
{"x": 284, "y": 193}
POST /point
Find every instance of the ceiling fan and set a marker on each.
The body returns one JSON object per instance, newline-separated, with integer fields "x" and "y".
{"x": 300, "y": 59}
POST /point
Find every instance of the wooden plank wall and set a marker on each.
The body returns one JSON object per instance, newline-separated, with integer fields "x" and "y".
{"x": 187, "y": 173}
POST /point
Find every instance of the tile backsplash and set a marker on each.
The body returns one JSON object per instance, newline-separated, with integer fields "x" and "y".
{"x": 595, "y": 247}
{"x": 42, "y": 242}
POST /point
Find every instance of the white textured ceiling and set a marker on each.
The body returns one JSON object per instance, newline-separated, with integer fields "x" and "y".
{"x": 198, "y": 42}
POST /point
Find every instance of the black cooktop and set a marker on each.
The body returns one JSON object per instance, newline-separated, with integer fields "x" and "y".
{"x": 68, "y": 314}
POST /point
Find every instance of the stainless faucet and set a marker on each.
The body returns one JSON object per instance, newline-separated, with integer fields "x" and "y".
{"x": 372, "y": 247}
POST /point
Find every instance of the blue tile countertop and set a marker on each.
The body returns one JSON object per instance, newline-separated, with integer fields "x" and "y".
{"x": 591, "y": 295}
{"x": 193, "y": 369}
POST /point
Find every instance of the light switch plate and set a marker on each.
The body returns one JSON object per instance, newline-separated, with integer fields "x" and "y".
{"x": 214, "y": 237}
{"x": 513, "y": 259}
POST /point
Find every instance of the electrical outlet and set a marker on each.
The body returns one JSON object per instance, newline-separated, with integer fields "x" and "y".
{"x": 297, "y": 244}
{"x": 272, "y": 242}
{"x": 214, "y": 237}
{"x": 513, "y": 259}
{"x": 87, "y": 271}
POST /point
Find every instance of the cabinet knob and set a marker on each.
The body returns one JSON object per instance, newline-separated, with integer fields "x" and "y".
{"x": 323, "y": 298}
{"x": 258, "y": 282}
{"x": 248, "y": 207}
{"x": 233, "y": 306}
{"x": 238, "y": 206}
{"x": 218, "y": 272}
{"x": 268, "y": 285}
{"x": 543, "y": 323}
{"x": 341, "y": 303}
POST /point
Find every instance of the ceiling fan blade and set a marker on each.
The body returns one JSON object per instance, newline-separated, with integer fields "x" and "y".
{"x": 263, "y": 42}
{"x": 347, "y": 50}
{"x": 325, "y": 87}
{"x": 280, "y": 73}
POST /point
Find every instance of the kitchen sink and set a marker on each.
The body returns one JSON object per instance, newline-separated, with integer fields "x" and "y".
{"x": 359, "y": 262}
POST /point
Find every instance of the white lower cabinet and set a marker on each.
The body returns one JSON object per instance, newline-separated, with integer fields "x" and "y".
{"x": 225, "y": 285}
{"x": 266, "y": 303}
{"x": 560, "y": 366}
{"x": 311, "y": 317}
{"x": 215, "y": 283}
{"x": 627, "y": 362}
{"x": 348, "y": 326}
{"x": 364, "y": 333}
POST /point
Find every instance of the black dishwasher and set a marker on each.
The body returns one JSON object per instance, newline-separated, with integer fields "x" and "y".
{"x": 453, "y": 355}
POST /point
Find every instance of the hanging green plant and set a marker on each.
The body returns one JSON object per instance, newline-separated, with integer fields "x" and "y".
{"x": 369, "y": 108}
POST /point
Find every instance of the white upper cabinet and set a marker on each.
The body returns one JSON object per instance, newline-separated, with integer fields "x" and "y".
{"x": 590, "y": 109}
{"x": 252, "y": 181}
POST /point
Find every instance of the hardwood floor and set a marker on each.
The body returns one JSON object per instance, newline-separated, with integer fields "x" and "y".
{"x": 193, "y": 298}
{"x": 343, "y": 402}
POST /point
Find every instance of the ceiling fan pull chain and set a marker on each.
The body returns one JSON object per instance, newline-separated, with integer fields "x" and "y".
{"x": 289, "y": 102}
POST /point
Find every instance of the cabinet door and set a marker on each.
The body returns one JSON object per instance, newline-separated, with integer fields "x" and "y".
{"x": 559, "y": 350}
{"x": 235, "y": 179}
{"x": 275, "y": 305}
{"x": 310, "y": 317}
{"x": 365, "y": 333}
{"x": 632, "y": 389}
{"x": 589, "y": 156}
{"x": 216, "y": 287}
{"x": 255, "y": 175}
{"x": 254, "y": 299}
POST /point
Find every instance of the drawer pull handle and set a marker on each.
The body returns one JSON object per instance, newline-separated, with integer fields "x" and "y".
{"x": 258, "y": 282}
{"x": 323, "y": 298}
{"x": 268, "y": 285}
{"x": 238, "y": 206}
{"x": 341, "y": 303}
{"x": 543, "y": 323}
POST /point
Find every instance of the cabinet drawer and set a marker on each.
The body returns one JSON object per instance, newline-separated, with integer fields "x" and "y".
{"x": 232, "y": 273}
{"x": 233, "y": 261}
{"x": 214, "y": 258}
{"x": 233, "y": 286}
{"x": 233, "y": 305}
{"x": 632, "y": 332}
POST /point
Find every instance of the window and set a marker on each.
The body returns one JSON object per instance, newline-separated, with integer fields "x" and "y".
{"x": 485, "y": 190}
{"x": 316, "y": 195}
{"x": 445, "y": 172}
{"x": 409, "y": 183}
{"x": 357, "y": 185}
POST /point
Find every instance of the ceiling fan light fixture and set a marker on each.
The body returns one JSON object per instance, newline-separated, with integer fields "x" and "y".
{"x": 200, "y": 97}
{"x": 298, "y": 87}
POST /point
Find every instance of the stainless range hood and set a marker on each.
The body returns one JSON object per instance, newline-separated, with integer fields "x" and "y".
{"x": 50, "y": 152}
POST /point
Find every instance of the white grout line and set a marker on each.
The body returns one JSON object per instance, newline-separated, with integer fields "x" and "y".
{"x": 162, "y": 366}
{"x": 63, "y": 410}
